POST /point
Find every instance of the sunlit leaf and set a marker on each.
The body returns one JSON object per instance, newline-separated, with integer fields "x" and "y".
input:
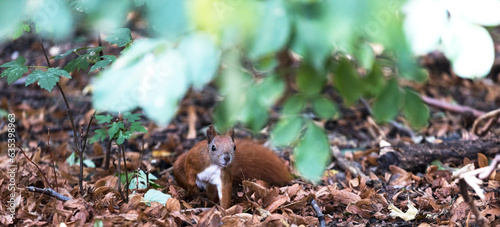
{"x": 273, "y": 31}
{"x": 168, "y": 18}
{"x": 469, "y": 47}
{"x": 153, "y": 195}
{"x": 202, "y": 56}
{"x": 312, "y": 153}
{"x": 52, "y": 18}
{"x": 10, "y": 18}
{"x": 286, "y": 130}
{"x": 424, "y": 23}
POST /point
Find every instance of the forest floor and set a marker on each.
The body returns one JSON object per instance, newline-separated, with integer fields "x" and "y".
{"x": 411, "y": 182}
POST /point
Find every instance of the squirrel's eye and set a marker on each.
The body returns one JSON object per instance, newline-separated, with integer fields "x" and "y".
{"x": 234, "y": 147}
{"x": 213, "y": 148}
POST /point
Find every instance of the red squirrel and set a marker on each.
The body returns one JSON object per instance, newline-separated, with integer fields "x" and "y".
{"x": 214, "y": 164}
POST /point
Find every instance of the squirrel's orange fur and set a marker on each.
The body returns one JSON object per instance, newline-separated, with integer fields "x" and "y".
{"x": 215, "y": 164}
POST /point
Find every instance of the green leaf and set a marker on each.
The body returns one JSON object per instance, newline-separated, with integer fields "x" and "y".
{"x": 286, "y": 131}
{"x": 168, "y": 18}
{"x": 78, "y": 63}
{"x": 386, "y": 105}
{"x": 46, "y": 80}
{"x": 365, "y": 55}
{"x": 100, "y": 134}
{"x": 131, "y": 117}
{"x": 137, "y": 127}
{"x": 57, "y": 57}
{"x": 155, "y": 83}
{"x": 312, "y": 39}
{"x": 347, "y": 81}
{"x": 12, "y": 15}
{"x": 101, "y": 119}
{"x": 107, "y": 59}
{"x": 202, "y": 57}
{"x": 312, "y": 153}
{"x": 120, "y": 37}
{"x": 53, "y": 19}
{"x": 20, "y": 30}
{"x": 71, "y": 160}
{"x": 309, "y": 81}
{"x": 123, "y": 177}
{"x": 89, "y": 163}
{"x": 270, "y": 90}
{"x": 153, "y": 195}
{"x": 122, "y": 136}
{"x": 324, "y": 107}
{"x": 414, "y": 109}
{"x": 294, "y": 105}
{"x": 98, "y": 223}
{"x": 374, "y": 82}
{"x": 274, "y": 29}
{"x": 14, "y": 69}
{"x": 113, "y": 128}
{"x": 83, "y": 61}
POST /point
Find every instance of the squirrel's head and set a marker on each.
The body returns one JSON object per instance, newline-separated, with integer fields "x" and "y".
{"x": 220, "y": 147}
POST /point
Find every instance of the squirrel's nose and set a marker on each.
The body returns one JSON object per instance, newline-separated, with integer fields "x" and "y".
{"x": 227, "y": 158}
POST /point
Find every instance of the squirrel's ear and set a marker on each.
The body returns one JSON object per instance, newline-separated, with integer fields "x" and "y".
{"x": 231, "y": 132}
{"x": 211, "y": 133}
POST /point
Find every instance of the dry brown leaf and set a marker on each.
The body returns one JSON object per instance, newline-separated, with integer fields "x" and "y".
{"x": 482, "y": 160}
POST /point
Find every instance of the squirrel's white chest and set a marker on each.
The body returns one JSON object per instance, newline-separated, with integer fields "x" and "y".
{"x": 212, "y": 175}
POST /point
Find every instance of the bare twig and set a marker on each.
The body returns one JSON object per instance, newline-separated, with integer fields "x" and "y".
{"x": 108, "y": 154}
{"x": 83, "y": 147}
{"x": 120, "y": 175}
{"x": 451, "y": 107}
{"x": 48, "y": 191}
{"x": 126, "y": 171}
{"x": 53, "y": 160}
{"x": 38, "y": 167}
{"x": 99, "y": 41}
{"x": 320, "y": 215}
{"x": 480, "y": 220}
{"x": 490, "y": 118}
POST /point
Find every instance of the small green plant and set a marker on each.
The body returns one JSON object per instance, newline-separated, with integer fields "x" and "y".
{"x": 139, "y": 180}
{"x": 118, "y": 130}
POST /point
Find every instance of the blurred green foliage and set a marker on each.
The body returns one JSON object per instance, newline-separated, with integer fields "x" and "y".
{"x": 250, "y": 49}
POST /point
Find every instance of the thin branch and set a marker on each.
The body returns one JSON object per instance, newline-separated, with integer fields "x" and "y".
{"x": 490, "y": 118}
{"x": 451, "y": 107}
{"x": 120, "y": 175}
{"x": 53, "y": 160}
{"x": 48, "y": 191}
{"x": 38, "y": 167}
{"x": 320, "y": 215}
{"x": 126, "y": 171}
{"x": 108, "y": 155}
{"x": 480, "y": 220}
{"x": 99, "y": 41}
{"x": 75, "y": 135}
{"x": 83, "y": 147}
